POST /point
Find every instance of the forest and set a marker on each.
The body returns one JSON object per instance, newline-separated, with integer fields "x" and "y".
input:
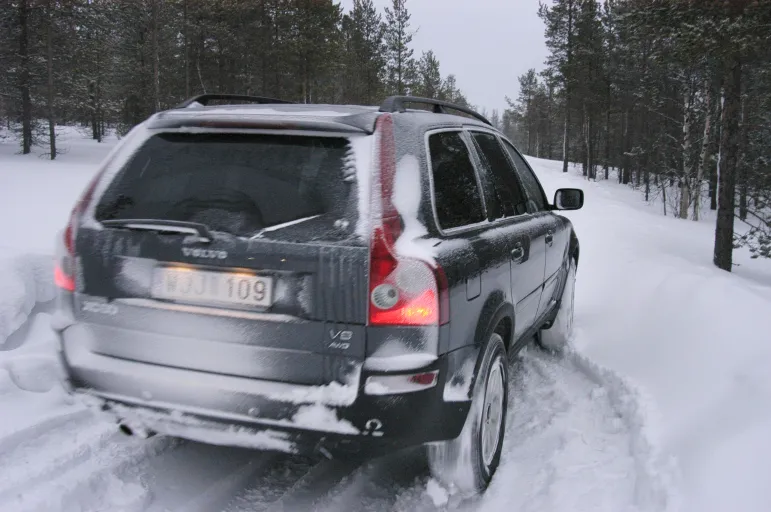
{"x": 671, "y": 97}
{"x": 112, "y": 63}
{"x": 667, "y": 96}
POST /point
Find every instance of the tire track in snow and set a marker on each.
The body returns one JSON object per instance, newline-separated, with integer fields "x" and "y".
{"x": 378, "y": 484}
{"x": 316, "y": 483}
{"x": 272, "y": 485}
{"x": 59, "y": 419}
{"x": 198, "y": 477}
{"x": 297, "y": 484}
{"x": 91, "y": 475}
{"x": 34, "y": 459}
{"x": 575, "y": 441}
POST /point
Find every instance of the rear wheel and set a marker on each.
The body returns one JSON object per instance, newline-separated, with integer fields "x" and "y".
{"x": 469, "y": 461}
{"x": 556, "y": 337}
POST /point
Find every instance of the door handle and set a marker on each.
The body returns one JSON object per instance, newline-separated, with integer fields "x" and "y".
{"x": 550, "y": 237}
{"x": 518, "y": 253}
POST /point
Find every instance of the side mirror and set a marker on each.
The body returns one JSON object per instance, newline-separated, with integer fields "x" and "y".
{"x": 568, "y": 199}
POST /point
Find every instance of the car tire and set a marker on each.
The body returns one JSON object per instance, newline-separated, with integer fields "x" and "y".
{"x": 468, "y": 462}
{"x": 559, "y": 334}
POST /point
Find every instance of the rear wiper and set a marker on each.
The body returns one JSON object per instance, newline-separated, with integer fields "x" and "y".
{"x": 283, "y": 225}
{"x": 163, "y": 226}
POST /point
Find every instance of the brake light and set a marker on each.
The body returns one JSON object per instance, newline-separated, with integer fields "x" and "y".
{"x": 64, "y": 271}
{"x": 403, "y": 291}
{"x": 63, "y": 280}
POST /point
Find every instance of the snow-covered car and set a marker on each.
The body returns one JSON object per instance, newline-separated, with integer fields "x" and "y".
{"x": 342, "y": 280}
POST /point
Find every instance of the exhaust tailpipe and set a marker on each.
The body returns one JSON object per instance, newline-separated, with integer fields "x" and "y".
{"x": 140, "y": 432}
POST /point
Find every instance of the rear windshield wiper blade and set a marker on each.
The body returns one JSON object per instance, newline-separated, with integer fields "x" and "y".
{"x": 165, "y": 226}
{"x": 270, "y": 229}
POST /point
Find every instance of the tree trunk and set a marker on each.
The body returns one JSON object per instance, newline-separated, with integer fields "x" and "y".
{"x": 568, "y": 87}
{"x": 742, "y": 167}
{"x": 549, "y": 142}
{"x": 584, "y": 142}
{"x": 663, "y": 185}
{"x": 156, "y": 59}
{"x": 99, "y": 112}
{"x": 24, "y": 85}
{"x": 589, "y": 154}
{"x": 565, "y": 142}
{"x": 606, "y": 164}
{"x": 92, "y": 101}
{"x": 265, "y": 46}
{"x": 50, "y": 70}
{"x": 95, "y": 99}
{"x": 715, "y": 145}
{"x": 685, "y": 185}
{"x": 724, "y": 227}
{"x": 626, "y": 165}
{"x": 187, "y": 51}
{"x": 705, "y": 146}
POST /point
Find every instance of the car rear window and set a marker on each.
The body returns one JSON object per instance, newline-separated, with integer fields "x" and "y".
{"x": 237, "y": 183}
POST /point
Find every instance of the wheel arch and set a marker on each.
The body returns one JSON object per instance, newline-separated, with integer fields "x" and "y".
{"x": 497, "y": 316}
{"x": 574, "y": 248}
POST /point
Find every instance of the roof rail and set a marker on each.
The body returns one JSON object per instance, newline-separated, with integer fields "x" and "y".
{"x": 396, "y": 104}
{"x": 204, "y": 99}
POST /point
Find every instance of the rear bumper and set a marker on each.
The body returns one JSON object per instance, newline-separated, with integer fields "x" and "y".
{"x": 238, "y": 411}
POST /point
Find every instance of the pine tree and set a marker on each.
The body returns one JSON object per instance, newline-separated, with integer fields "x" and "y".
{"x": 398, "y": 36}
{"x": 429, "y": 83}
{"x": 560, "y": 21}
{"x": 365, "y": 53}
{"x": 25, "y": 80}
{"x": 528, "y": 88}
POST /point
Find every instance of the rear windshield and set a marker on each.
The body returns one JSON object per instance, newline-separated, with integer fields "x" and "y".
{"x": 237, "y": 183}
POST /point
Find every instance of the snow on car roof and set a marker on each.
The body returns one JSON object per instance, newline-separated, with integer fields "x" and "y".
{"x": 315, "y": 110}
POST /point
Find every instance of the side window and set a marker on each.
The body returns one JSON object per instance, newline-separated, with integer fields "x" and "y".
{"x": 456, "y": 191}
{"x": 530, "y": 182}
{"x": 510, "y": 198}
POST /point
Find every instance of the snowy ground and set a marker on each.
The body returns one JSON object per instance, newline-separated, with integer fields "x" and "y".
{"x": 664, "y": 405}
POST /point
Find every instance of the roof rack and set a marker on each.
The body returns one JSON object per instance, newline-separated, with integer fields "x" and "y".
{"x": 396, "y": 104}
{"x": 204, "y": 99}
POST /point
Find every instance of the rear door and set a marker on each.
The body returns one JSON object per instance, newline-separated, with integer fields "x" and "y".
{"x": 556, "y": 234}
{"x": 515, "y": 233}
{"x": 466, "y": 256}
{"x": 230, "y": 253}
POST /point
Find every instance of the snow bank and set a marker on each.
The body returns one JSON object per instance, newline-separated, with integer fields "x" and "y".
{"x": 26, "y": 280}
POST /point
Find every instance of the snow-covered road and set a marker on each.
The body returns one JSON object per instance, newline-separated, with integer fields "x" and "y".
{"x": 574, "y": 442}
{"x": 626, "y": 436}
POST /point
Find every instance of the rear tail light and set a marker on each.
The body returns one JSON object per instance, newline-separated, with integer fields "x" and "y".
{"x": 64, "y": 271}
{"x": 397, "y": 384}
{"x": 62, "y": 279}
{"x": 403, "y": 291}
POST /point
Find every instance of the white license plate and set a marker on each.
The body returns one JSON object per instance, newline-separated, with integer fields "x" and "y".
{"x": 192, "y": 285}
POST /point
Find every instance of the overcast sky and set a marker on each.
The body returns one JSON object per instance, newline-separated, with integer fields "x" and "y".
{"x": 486, "y": 44}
